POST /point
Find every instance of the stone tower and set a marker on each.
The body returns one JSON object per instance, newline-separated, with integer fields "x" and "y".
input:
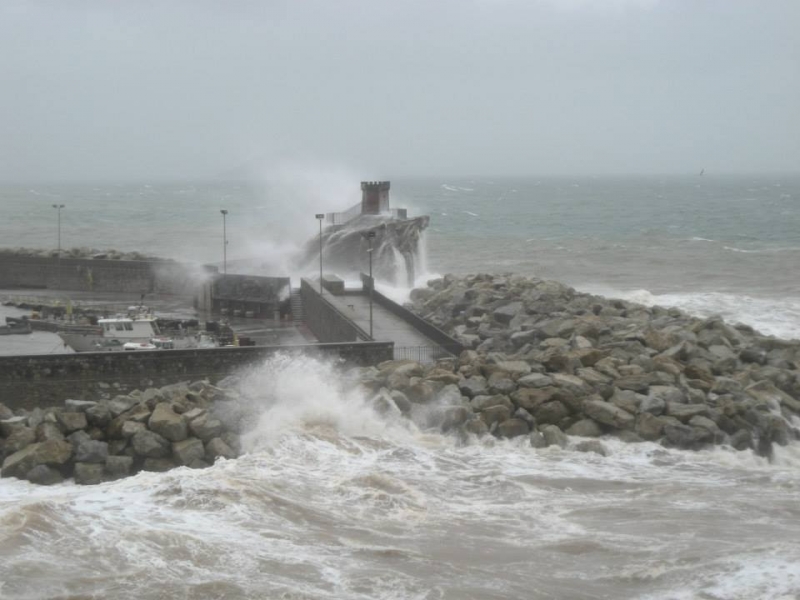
{"x": 374, "y": 197}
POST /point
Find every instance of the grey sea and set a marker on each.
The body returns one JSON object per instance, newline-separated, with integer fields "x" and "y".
{"x": 333, "y": 501}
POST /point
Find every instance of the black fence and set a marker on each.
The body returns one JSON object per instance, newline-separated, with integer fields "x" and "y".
{"x": 423, "y": 354}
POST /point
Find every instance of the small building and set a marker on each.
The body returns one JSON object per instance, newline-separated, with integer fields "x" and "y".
{"x": 246, "y": 296}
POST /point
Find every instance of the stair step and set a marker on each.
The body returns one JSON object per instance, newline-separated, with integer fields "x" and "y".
{"x": 298, "y": 314}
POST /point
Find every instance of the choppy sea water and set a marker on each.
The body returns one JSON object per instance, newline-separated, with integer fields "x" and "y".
{"x": 335, "y": 501}
{"x": 710, "y": 244}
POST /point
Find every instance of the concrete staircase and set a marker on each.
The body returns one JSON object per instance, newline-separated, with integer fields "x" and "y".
{"x": 298, "y": 315}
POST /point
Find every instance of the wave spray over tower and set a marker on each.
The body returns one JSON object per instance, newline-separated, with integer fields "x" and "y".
{"x": 396, "y": 240}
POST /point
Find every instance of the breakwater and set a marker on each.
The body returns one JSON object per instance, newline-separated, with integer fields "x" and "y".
{"x": 28, "y": 382}
{"x": 83, "y": 273}
{"x": 545, "y": 361}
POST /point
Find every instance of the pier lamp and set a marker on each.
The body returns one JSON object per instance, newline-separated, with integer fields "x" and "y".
{"x": 224, "y": 243}
{"x": 319, "y": 217}
{"x": 58, "y": 208}
{"x": 370, "y": 235}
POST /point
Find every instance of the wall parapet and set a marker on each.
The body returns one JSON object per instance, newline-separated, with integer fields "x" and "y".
{"x": 48, "y": 379}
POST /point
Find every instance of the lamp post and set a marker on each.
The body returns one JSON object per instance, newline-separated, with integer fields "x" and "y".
{"x": 224, "y": 243}
{"x": 370, "y": 235}
{"x": 319, "y": 217}
{"x": 58, "y": 208}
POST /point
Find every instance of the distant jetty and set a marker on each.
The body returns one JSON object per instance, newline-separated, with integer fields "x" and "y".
{"x": 371, "y": 227}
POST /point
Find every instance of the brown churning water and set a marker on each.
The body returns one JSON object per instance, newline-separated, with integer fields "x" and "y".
{"x": 335, "y": 501}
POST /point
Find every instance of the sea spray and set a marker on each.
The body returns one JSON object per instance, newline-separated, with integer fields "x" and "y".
{"x": 290, "y": 394}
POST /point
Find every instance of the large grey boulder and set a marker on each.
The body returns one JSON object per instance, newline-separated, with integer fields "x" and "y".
{"x": 149, "y": 444}
{"x": 553, "y": 436}
{"x": 168, "y": 424}
{"x": 591, "y": 446}
{"x": 121, "y": 404}
{"x": 44, "y": 475}
{"x": 91, "y": 451}
{"x": 189, "y": 450}
{"x": 98, "y": 415}
{"x": 19, "y": 438}
{"x": 495, "y": 414}
{"x": 511, "y": 428}
{"x": 608, "y": 414}
{"x": 480, "y": 403}
{"x": 71, "y": 421}
{"x": 535, "y": 380}
{"x": 684, "y": 412}
{"x": 118, "y": 466}
{"x": 537, "y": 440}
{"x": 550, "y": 413}
{"x": 78, "y": 405}
{"x": 473, "y": 386}
{"x": 53, "y": 453}
{"x": 218, "y": 448}
{"x": 131, "y": 428}
{"x": 7, "y": 426}
{"x": 89, "y": 473}
{"x": 585, "y": 428}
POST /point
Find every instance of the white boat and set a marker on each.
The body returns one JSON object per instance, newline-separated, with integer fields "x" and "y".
{"x": 138, "y": 330}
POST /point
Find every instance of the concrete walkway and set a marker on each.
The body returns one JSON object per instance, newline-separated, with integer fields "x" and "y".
{"x": 386, "y": 326}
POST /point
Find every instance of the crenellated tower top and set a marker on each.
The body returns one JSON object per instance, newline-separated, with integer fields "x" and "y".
{"x": 374, "y": 197}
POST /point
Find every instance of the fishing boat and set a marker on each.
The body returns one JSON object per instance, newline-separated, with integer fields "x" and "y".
{"x": 138, "y": 327}
{"x": 15, "y": 327}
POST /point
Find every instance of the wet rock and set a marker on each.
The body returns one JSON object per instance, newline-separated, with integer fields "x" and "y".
{"x": 591, "y": 446}
{"x": 89, "y": 473}
{"x": 186, "y": 451}
{"x": 168, "y": 424}
{"x": 149, "y": 444}
{"x": 52, "y": 453}
{"x": 118, "y": 466}
{"x": 216, "y": 448}
{"x": 585, "y": 428}
{"x": 158, "y": 465}
{"x": 511, "y": 428}
{"x": 474, "y": 386}
{"x": 553, "y": 436}
{"x": 44, "y": 475}
{"x": 495, "y": 414}
{"x": 552, "y": 412}
{"x": 537, "y": 440}
{"x": 606, "y": 413}
{"x": 684, "y": 412}
{"x": 91, "y": 451}
{"x": 480, "y": 403}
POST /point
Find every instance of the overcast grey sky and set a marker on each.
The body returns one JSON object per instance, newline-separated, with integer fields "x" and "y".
{"x": 191, "y": 88}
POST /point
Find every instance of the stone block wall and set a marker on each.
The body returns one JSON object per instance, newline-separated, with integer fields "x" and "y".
{"x": 47, "y": 380}
{"x": 99, "y": 275}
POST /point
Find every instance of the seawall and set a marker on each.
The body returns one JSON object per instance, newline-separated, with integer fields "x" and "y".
{"x": 99, "y": 275}
{"x": 47, "y": 380}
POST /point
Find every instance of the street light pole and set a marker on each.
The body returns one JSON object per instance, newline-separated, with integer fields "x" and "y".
{"x": 224, "y": 243}
{"x": 58, "y": 208}
{"x": 319, "y": 217}
{"x": 370, "y": 235}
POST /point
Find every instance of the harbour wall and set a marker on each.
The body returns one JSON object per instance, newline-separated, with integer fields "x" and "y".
{"x": 47, "y": 380}
{"x": 324, "y": 320}
{"x": 100, "y": 275}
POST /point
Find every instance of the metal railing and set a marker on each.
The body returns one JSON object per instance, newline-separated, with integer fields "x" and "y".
{"x": 421, "y": 354}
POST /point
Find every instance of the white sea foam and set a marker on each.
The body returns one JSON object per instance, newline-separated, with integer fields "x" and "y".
{"x": 743, "y": 251}
{"x": 771, "y": 316}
